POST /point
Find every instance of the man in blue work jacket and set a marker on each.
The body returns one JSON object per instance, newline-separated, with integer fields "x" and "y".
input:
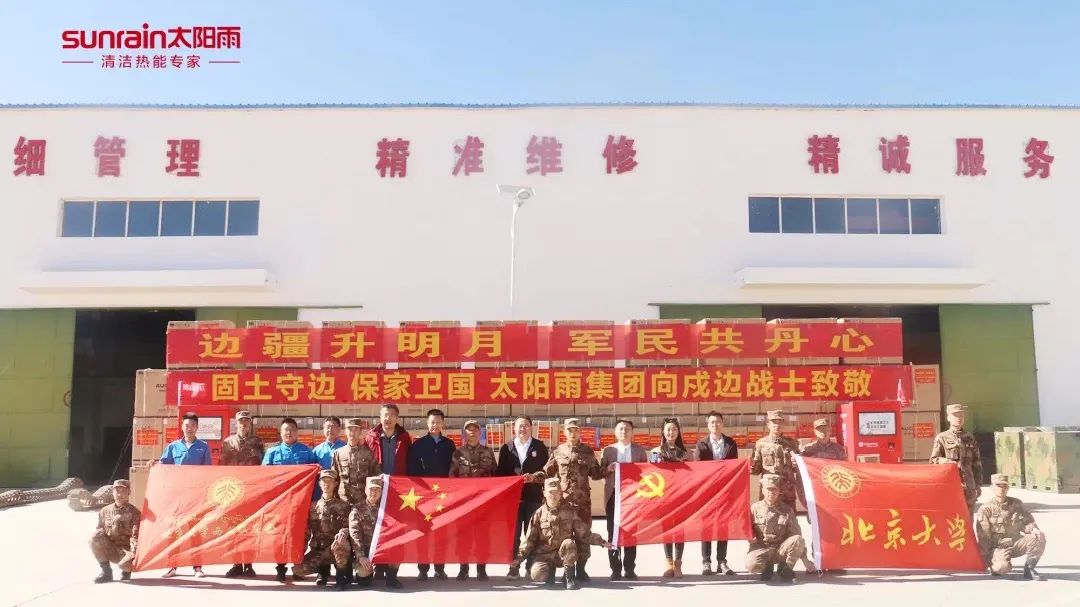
{"x": 331, "y": 429}
{"x": 186, "y": 451}
{"x": 289, "y": 452}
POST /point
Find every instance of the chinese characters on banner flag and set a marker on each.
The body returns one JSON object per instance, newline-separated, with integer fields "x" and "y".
{"x": 183, "y": 155}
{"x": 528, "y": 386}
{"x": 109, "y": 151}
{"x": 824, "y": 153}
{"x": 470, "y": 156}
{"x": 969, "y": 157}
{"x": 544, "y": 156}
{"x": 520, "y": 342}
{"x": 619, "y": 154}
{"x": 1037, "y": 159}
{"x": 29, "y": 157}
{"x": 887, "y": 516}
{"x": 393, "y": 157}
{"x": 894, "y": 154}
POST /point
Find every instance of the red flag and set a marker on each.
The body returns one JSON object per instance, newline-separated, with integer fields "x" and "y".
{"x": 686, "y": 502}
{"x": 446, "y": 520}
{"x": 888, "y": 516}
{"x": 211, "y": 515}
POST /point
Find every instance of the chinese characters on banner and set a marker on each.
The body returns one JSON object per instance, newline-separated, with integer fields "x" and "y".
{"x": 890, "y": 517}
{"x": 530, "y": 386}
{"x": 418, "y": 344}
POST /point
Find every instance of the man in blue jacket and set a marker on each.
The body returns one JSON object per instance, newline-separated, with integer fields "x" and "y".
{"x": 289, "y": 452}
{"x": 331, "y": 428}
{"x": 186, "y": 451}
{"x": 430, "y": 456}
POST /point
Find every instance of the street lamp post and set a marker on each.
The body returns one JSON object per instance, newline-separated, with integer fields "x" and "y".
{"x": 521, "y": 194}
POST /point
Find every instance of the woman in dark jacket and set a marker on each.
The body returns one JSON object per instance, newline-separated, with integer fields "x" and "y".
{"x": 671, "y": 449}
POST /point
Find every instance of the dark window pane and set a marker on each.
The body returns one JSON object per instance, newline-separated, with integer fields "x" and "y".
{"x": 925, "y": 216}
{"x": 78, "y": 219}
{"x": 110, "y": 219}
{"x": 861, "y": 216}
{"x": 176, "y": 218}
{"x": 243, "y": 218}
{"x": 765, "y": 215}
{"x": 143, "y": 218}
{"x": 796, "y": 216}
{"x": 829, "y": 215}
{"x": 209, "y": 218}
{"x": 893, "y": 213}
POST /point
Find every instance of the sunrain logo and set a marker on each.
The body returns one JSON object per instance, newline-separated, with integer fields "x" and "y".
{"x": 161, "y": 49}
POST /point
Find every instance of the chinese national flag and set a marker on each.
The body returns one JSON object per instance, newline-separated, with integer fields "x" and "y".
{"x": 446, "y": 520}
{"x": 888, "y": 516}
{"x": 685, "y": 502}
{"x": 217, "y": 515}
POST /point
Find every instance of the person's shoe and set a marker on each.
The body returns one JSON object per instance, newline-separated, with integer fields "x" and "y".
{"x": 580, "y": 576}
{"x": 169, "y": 573}
{"x": 341, "y": 580}
{"x": 615, "y": 576}
{"x": 235, "y": 571}
{"x": 320, "y": 579}
{"x": 481, "y": 573}
{"x": 722, "y": 566}
{"x": 669, "y": 571}
{"x": 125, "y": 575}
{"x": 422, "y": 576}
{"x": 199, "y": 572}
{"x": 392, "y": 581}
{"x": 440, "y": 573}
{"x": 106, "y": 574}
{"x": 463, "y": 573}
{"x": 380, "y": 574}
{"x": 767, "y": 574}
{"x": 569, "y": 579}
{"x": 1031, "y": 574}
{"x": 550, "y": 579}
{"x": 249, "y": 571}
{"x": 706, "y": 569}
{"x": 297, "y": 578}
{"x": 678, "y": 569}
{"x": 280, "y": 573}
{"x": 630, "y": 575}
{"x": 785, "y": 573}
{"x": 514, "y": 573}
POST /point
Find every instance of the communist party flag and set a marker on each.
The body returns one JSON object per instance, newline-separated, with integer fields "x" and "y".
{"x": 211, "y": 515}
{"x": 446, "y": 520}
{"x": 888, "y": 516}
{"x": 684, "y": 502}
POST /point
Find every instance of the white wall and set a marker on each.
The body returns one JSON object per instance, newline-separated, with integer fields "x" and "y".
{"x": 590, "y": 245}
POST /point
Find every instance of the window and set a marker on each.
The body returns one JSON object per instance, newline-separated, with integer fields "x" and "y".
{"x": 765, "y": 215}
{"x": 834, "y": 215}
{"x": 149, "y": 218}
{"x": 78, "y": 219}
{"x": 796, "y": 216}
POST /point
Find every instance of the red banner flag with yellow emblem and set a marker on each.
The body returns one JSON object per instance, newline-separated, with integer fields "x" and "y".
{"x": 684, "y": 502}
{"x": 217, "y": 515}
{"x": 446, "y": 520}
{"x": 888, "y": 516}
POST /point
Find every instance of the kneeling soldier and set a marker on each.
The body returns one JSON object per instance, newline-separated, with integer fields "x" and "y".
{"x": 555, "y": 534}
{"x": 1006, "y": 530}
{"x": 361, "y": 529}
{"x": 116, "y": 534}
{"x": 327, "y": 523}
{"x": 777, "y": 537}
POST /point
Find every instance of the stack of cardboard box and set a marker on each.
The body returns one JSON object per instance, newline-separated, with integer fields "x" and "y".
{"x": 921, "y": 420}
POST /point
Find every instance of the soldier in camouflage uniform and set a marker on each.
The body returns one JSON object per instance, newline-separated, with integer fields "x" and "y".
{"x": 772, "y": 455}
{"x": 328, "y": 523}
{"x": 362, "y": 521}
{"x": 116, "y": 535}
{"x": 777, "y": 537}
{"x": 1006, "y": 530}
{"x": 472, "y": 460}
{"x": 354, "y": 463}
{"x": 574, "y": 463}
{"x": 556, "y": 534}
{"x": 955, "y": 446}
{"x": 823, "y": 447}
{"x": 242, "y": 449}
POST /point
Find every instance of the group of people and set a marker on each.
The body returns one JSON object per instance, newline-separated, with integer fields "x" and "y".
{"x": 555, "y": 511}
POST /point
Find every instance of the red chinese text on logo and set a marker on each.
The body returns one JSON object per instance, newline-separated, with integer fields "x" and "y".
{"x": 894, "y": 154}
{"x": 619, "y": 153}
{"x": 393, "y": 157}
{"x": 201, "y": 36}
{"x": 1037, "y": 159}
{"x": 470, "y": 156}
{"x": 969, "y": 157}
{"x": 29, "y": 157}
{"x": 824, "y": 153}
{"x": 109, "y": 152}
{"x": 545, "y": 155}
{"x": 183, "y": 157}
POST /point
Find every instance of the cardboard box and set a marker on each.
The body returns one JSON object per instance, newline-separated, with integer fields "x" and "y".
{"x": 200, "y": 324}
{"x": 728, "y": 409}
{"x": 294, "y": 411}
{"x": 468, "y": 411}
{"x": 926, "y": 380}
{"x": 919, "y": 429}
{"x": 148, "y": 437}
{"x": 150, "y": 394}
{"x": 138, "y": 476}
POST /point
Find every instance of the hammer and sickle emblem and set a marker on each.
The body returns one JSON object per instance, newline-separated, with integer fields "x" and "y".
{"x": 651, "y": 485}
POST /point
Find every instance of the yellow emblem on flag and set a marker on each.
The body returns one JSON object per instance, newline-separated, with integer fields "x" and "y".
{"x": 225, "y": 492}
{"x": 840, "y": 481}
{"x": 651, "y": 485}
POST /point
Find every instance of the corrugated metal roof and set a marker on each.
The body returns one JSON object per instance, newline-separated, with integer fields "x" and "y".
{"x": 633, "y": 104}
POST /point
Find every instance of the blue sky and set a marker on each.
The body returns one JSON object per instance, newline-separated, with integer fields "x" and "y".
{"x": 565, "y": 51}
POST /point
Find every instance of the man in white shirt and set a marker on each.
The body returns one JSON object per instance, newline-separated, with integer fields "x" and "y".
{"x": 523, "y": 456}
{"x": 624, "y": 451}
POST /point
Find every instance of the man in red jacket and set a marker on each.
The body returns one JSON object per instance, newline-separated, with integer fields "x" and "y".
{"x": 390, "y": 441}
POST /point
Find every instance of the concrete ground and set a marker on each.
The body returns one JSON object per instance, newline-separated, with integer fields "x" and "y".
{"x": 46, "y": 561}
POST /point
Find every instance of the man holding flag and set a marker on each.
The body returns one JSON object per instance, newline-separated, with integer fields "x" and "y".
{"x": 778, "y": 538}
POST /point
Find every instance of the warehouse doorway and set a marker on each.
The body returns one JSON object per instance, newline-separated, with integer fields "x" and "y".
{"x": 110, "y": 345}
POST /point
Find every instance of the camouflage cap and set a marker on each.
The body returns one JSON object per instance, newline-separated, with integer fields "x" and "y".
{"x": 999, "y": 479}
{"x": 955, "y": 408}
{"x": 571, "y": 422}
{"x": 776, "y": 414}
{"x": 552, "y": 484}
{"x": 328, "y": 474}
{"x": 122, "y": 482}
{"x": 471, "y": 422}
{"x": 373, "y": 481}
{"x": 355, "y": 422}
{"x": 770, "y": 481}
{"x": 821, "y": 422}
{"x": 243, "y": 415}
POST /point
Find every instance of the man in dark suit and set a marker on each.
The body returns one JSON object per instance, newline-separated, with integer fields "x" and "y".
{"x": 715, "y": 446}
{"x": 430, "y": 455}
{"x": 523, "y": 456}
{"x": 625, "y": 451}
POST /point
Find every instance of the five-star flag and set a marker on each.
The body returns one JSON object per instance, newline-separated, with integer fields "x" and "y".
{"x": 425, "y": 520}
